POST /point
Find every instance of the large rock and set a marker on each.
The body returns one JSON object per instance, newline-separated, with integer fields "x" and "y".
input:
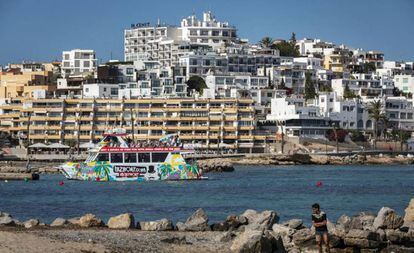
{"x": 362, "y": 239}
{"x": 252, "y": 241}
{"x": 387, "y": 219}
{"x": 282, "y": 231}
{"x": 303, "y": 238}
{"x": 158, "y": 225}
{"x": 31, "y": 223}
{"x": 74, "y": 221}
{"x": 122, "y": 221}
{"x": 263, "y": 220}
{"x": 409, "y": 212}
{"x": 234, "y": 221}
{"x": 362, "y": 221}
{"x": 397, "y": 237}
{"x": 58, "y": 222}
{"x": 6, "y": 219}
{"x": 343, "y": 223}
{"x": 220, "y": 226}
{"x": 198, "y": 221}
{"x": 294, "y": 223}
{"x": 90, "y": 220}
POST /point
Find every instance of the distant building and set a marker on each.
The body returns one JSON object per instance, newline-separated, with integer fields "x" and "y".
{"x": 78, "y": 61}
{"x": 166, "y": 42}
{"x": 404, "y": 83}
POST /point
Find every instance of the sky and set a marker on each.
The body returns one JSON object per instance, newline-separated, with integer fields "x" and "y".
{"x": 39, "y": 30}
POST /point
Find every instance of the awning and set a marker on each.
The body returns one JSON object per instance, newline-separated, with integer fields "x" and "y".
{"x": 38, "y": 145}
{"x": 57, "y": 145}
{"x": 87, "y": 145}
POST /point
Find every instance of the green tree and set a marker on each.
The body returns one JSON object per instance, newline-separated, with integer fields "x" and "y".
{"x": 377, "y": 115}
{"x": 266, "y": 42}
{"x": 288, "y": 49}
{"x": 196, "y": 83}
{"x": 348, "y": 94}
{"x": 310, "y": 92}
{"x": 293, "y": 38}
{"x": 369, "y": 67}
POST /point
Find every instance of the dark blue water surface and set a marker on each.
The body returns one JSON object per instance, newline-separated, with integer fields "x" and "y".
{"x": 289, "y": 190}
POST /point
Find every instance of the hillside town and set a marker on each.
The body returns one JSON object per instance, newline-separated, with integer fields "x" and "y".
{"x": 218, "y": 92}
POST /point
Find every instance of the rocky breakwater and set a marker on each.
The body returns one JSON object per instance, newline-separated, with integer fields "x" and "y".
{"x": 251, "y": 231}
{"x": 35, "y": 167}
{"x": 215, "y": 165}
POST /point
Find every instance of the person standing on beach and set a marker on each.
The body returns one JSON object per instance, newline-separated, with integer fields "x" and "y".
{"x": 321, "y": 230}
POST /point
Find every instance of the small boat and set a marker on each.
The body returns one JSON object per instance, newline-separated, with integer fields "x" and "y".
{"x": 115, "y": 159}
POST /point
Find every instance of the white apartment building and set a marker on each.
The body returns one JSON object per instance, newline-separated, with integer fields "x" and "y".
{"x": 364, "y": 85}
{"x": 166, "y": 43}
{"x": 351, "y": 114}
{"x": 312, "y": 63}
{"x": 234, "y": 86}
{"x": 298, "y": 118}
{"x": 404, "y": 83}
{"x": 399, "y": 111}
{"x": 233, "y": 60}
{"x": 207, "y": 31}
{"x": 100, "y": 90}
{"x": 292, "y": 74}
{"x": 312, "y": 46}
{"x": 78, "y": 61}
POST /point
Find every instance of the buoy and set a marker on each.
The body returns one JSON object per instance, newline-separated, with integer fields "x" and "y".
{"x": 26, "y": 179}
{"x": 61, "y": 183}
{"x": 319, "y": 184}
{"x": 6, "y": 181}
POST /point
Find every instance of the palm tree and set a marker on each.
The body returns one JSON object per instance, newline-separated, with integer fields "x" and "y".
{"x": 266, "y": 42}
{"x": 377, "y": 115}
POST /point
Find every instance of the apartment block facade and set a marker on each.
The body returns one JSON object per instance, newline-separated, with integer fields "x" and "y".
{"x": 204, "y": 123}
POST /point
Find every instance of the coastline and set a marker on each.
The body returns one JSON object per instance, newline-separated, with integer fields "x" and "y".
{"x": 227, "y": 163}
{"x": 251, "y": 231}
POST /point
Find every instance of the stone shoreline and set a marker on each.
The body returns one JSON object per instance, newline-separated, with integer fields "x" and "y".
{"x": 250, "y": 231}
{"x": 226, "y": 164}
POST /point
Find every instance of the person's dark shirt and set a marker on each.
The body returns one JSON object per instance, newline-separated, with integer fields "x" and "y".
{"x": 320, "y": 217}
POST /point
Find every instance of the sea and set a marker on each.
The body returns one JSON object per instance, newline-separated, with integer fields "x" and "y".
{"x": 288, "y": 190}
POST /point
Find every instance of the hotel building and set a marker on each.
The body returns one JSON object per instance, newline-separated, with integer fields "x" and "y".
{"x": 204, "y": 123}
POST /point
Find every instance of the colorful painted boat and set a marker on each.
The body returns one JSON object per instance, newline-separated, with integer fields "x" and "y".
{"x": 116, "y": 160}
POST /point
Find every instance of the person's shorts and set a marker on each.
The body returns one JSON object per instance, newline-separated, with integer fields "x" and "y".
{"x": 321, "y": 232}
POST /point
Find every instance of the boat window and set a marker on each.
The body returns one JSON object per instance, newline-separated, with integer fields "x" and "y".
{"x": 116, "y": 157}
{"x": 144, "y": 157}
{"x": 159, "y": 157}
{"x": 102, "y": 157}
{"x": 130, "y": 157}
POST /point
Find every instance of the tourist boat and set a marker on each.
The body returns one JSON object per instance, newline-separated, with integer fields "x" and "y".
{"x": 114, "y": 159}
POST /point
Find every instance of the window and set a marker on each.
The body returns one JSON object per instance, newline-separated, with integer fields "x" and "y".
{"x": 159, "y": 157}
{"x": 86, "y": 64}
{"x": 102, "y": 157}
{"x": 130, "y": 71}
{"x": 114, "y": 91}
{"x": 116, "y": 157}
{"x": 143, "y": 158}
{"x": 77, "y": 63}
{"x": 86, "y": 89}
{"x": 104, "y": 89}
{"x": 130, "y": 157}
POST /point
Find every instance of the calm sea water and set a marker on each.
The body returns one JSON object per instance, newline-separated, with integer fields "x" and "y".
{"x": 289, "y": 190}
